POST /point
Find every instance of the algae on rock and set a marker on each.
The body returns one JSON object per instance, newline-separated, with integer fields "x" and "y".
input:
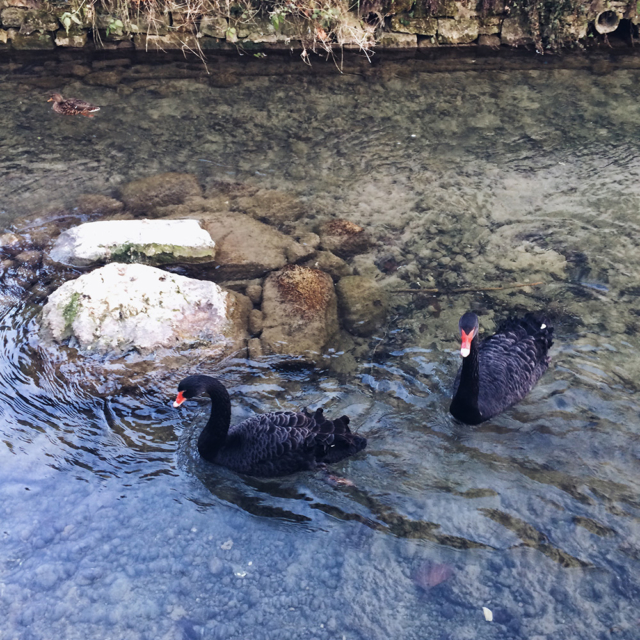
{"x": 300, "y": 313}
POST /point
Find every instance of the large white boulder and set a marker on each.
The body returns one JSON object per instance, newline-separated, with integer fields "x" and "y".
{"x": 149, "y": 241}
{"x": 124, "y": 307}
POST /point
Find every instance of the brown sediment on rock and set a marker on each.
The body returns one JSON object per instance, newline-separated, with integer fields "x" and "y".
{"x": 344, "y": 238}
{"x": 307, "y": 290}
{"x": 341, "y": 227}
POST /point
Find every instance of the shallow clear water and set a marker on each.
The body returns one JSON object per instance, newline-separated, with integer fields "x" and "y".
{"x": 111, "y": 525}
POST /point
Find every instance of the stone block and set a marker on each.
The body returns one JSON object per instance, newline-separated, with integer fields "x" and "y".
{"x": 398, "y": 40}
{"x": 34, "y": 41}
{"x": 515, "y": 32}
{"x": 489, "y": 25}
{"x": 214, "y": 26}
{"x": 38, "y": 21}
{"x": 155, "y": 242}
{"x": 459, "y": 31}
{"x": 75, "y": 38}
{"x": 13, "y": 17}
{"x": 404, "y": 23}
{"x": 173, "y": 40}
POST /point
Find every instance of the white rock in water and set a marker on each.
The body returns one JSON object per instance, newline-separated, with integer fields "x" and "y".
{"x": 148, "y": 241}
{"x": 120, "y": 307}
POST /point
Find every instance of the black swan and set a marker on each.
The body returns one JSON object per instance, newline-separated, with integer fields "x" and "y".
{"x": 502, "y": 369}
{"x": 271, "y": 444}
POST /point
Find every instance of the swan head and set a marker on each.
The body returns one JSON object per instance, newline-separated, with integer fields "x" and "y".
{"x": 191, "y": 387}
{"x": 468, "y": 331}
{"x": 194, "y": 386}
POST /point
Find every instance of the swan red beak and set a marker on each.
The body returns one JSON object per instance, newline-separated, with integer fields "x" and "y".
{"x": 465, "y": 349}
{"x": 180, "y": 399}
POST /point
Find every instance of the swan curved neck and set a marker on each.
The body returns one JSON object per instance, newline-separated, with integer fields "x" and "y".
{"x": 214, "y": 435}
{"x": 465, "y": 402}
{"x": 470, "y": 376}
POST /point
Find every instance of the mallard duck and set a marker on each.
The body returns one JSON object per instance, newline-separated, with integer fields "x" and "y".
{"x": 72, "y": 106}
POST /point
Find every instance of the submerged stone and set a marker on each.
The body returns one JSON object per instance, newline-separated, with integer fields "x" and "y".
{"x": 271, "y": 205}
{"x": 119, "y": 308}
{"x": 363, "y": 304}
{"x": 147, "y": 194}
{"x": 149, "y": 241}
{"x": 95, "y": 204}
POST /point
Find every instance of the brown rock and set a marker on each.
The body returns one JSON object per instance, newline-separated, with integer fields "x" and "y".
{"x": 300, "y": 312}
{"x": 74, "y": 39}
{"x": 29, "y": 258}
{"x": 256, "y": 322}
{"x": 247, "y": 248}
{"x": 343, "y": 238}
{"x": 11, "y": 241}
{"x": 215, "y": 26}
{"x": 34, "y": 41}
{"x": 254, "y": 346}
{"x": 398, "y": 40}
{"x": 492, "y": 42}
{"x": 330, "y": 263}
{"x": 13, "y": 17}
{"x": 147, "y": 194}
{"x": 311, "y": 240}
{"x": 254, "y": 293}
{"x": 38, "y": 21}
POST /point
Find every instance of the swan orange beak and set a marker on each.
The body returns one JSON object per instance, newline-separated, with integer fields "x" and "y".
{"x": 180, "y": 399}
{"x": 50, "y": 99}
{"x": 465, "y": 349}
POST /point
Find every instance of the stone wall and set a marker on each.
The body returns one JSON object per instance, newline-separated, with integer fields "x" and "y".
{"x": 398, "y": 24}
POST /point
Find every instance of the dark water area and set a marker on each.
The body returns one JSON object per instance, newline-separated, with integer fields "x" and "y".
{"x": 517, "y": 171}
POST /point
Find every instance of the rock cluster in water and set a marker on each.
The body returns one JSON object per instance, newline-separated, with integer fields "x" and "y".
{"x": 257, "y": 277}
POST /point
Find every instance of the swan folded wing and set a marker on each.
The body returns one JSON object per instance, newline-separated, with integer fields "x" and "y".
{"x": 271, "y": 444}
{"x": 510, "y": 364}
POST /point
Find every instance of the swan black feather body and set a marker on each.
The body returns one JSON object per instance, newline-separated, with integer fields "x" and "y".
{"x": 499, "y": 371}
{"x": 271, "y": 444}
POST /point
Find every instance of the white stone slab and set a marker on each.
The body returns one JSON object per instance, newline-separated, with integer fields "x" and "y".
{"x": 148, "y": 241}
